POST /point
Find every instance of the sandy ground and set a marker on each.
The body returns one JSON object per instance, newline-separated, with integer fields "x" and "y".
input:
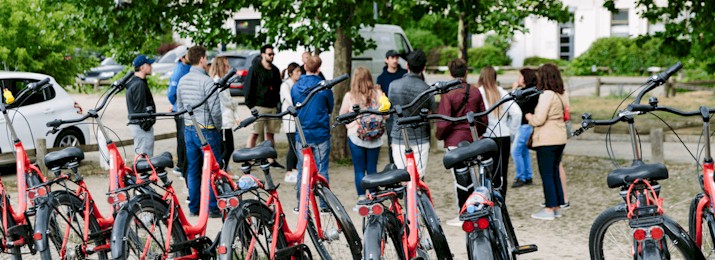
{"x": 565, "y": 238}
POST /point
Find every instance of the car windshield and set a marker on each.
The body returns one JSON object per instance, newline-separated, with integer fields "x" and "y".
{"x": 237, "y": 62}
{"x": 169, "y": 57}
{"x": 108, "y": 61}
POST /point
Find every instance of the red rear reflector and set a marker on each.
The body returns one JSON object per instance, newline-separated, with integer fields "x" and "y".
{"x": 37, "y": 236}
{"x": 656, "y": 232}
{"x": 639, "y": 234}
{"x": 121, "y": 197}
{"x": 221, "y": 204}
{"x": 110, "y": 199}
{"x": 233, "y": 202}
{"x": 377, "y": 209}
{"x": 364, "y": 211}
{"x": 221, "y": 250}
{"x": 483, "y": 223}
{"x": 468, "y": 226}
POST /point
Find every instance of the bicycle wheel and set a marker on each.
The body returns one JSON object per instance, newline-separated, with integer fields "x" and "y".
{"x": 382, "y": 236}
{"x": 479, "y": 245}
{"x": 505, "y": 243}
{"x": 140, "y": 230}
{"x": 14, "y": 251}
{"x": 439, "y": 249}
{"x": 611, "y": 237}
{"x": 338, "y": 230}
{"x": 61, "y": 217}
{"x": 707, "y": 227}
{"x": 248, "y": 232}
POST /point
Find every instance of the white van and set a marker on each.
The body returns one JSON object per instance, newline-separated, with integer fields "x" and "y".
{"x": 386, "y": 37}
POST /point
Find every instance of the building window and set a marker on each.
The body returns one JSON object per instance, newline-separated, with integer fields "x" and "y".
{"x": 619, "y": 23}
{"x": 566, "y": 41}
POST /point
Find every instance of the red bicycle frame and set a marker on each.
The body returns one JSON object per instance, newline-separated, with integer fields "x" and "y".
{"x": 410, "y": 239}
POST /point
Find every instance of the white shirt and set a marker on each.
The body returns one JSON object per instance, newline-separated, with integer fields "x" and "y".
{"x": 288, "y": 125}
{"x": 508, "y": 122}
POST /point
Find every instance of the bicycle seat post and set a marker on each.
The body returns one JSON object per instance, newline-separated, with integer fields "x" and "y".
{"x": 266, "y": 168}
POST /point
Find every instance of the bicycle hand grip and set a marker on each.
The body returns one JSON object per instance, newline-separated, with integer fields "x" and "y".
{"x": 640, "y": 108}
{"x": 246, "y": 122}
{"x": 445, "y": 86}
{"x": 346, "y": 118}
{"x": 222, "y": 82}
{"x": 409, "y": 120}
{"x": 332, "y": 82}
{"x": 663, "y": 76}
{"x": 54, "y": 123}
{"x": 123, "y": 80}
{"x": 38, "y": 85}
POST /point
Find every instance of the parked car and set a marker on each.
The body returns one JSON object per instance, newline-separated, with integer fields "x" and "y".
{"x": 241, "y": 61}
{"x": 164, "y": 66}
{"x": 106, "y": 70}
{"x": 30, "y": 118}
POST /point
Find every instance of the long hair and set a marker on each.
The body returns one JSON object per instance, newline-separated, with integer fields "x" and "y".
{"x": 529, "y": 75}
{"x": 219, "y": 68}
{"x": 362, "y": 89}
{"x": 488, "y": 80}
{"x": 289, "y": 70}
{"x": 550, "y": 78}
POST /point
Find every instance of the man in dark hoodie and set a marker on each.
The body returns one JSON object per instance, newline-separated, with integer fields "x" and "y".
{"x": 390, "y": 72}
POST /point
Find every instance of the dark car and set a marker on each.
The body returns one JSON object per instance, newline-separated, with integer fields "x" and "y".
{"x": 241, "y": 61}
{"x": 107, "y": 69}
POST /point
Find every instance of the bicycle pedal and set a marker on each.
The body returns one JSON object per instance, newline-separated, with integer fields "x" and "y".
{"x": 526, "y": 249}
{"x": 297, "y": 250}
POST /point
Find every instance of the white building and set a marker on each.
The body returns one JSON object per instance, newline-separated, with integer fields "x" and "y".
{"x": 592, "y": 21}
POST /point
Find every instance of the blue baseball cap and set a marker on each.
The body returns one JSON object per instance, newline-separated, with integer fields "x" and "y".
{"x": 141, "y": 60}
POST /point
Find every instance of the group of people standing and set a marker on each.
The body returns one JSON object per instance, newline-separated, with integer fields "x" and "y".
{"x": 538, "y": 119}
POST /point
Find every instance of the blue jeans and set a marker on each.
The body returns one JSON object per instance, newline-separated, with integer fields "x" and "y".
{"x": 549, "y": 158}
{"x": 195, "y": 158}
{"x": 364, "y": 161}
{"x": 321, "y": 152}
{"x": 520, "y": 153}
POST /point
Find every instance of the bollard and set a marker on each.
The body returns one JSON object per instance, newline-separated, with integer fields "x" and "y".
{"x": 656, "y": 145}
{"x": 598, "y": 86}
{"x": 40, "y": 152}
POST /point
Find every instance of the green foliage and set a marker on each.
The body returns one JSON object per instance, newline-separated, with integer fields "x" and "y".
{"x": 692, "y": 36}
{"x": 487, "y": 55}
{"x": 36, "y": 37}
{"x": 538, "y": 61}
{"x": 622, "y": 56}
{"x": 500, "y": 41}
{"x": 423, "y": 39}
{"x": 447, "y": 54}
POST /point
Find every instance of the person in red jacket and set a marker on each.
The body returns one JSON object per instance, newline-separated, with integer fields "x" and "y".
{"x": 457, "y": 103}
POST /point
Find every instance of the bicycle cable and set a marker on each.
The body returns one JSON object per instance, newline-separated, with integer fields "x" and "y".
{"x": 676, "y": 135}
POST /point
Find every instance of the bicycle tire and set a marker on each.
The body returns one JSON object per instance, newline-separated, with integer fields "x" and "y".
{"x": 378, "y": 229}
{"x": 15, "y": 253}
{"x": 505, "y": 247}
{"x": 707, "y": 227}
{"x": 52, "y": 243}
{"x": 432, "y": 223}
{"x": 337, "y": 222}
{"x": 123, "y": 233}
{"x": 684, "y": 245}
{"x": 479, "y": 245}
{"x": 237, "y": 226}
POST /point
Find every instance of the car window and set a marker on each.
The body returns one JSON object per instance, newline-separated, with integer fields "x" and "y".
{"x": 109, "y": 61}
{"x": 17, "y": 85}
{"x": 237, "y": 62}
{"x": 401, "y": 44}
{"x": 169, "y": 57}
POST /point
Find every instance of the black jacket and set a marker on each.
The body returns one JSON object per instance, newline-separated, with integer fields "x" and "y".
{"x": 139, "y": 98}
{"x": 262, "y": 86}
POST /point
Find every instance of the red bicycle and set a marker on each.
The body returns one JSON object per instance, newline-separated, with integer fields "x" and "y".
{"x": 16, "y": 230}
{"x": 408, "y": 233}
{"x": 257, "y": 229}
{"x": 69, "y": 224}
{"x": 152, "y": 225}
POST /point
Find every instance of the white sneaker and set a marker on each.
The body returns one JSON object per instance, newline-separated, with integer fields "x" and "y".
{"x": 291, "y": 177}
{"x": 455, "y": 222}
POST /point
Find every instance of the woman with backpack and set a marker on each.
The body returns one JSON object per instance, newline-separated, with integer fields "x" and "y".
{"x": 364, "y": 134}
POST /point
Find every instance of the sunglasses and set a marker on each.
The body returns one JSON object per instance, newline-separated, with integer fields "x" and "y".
{"x": 271, "y": 54}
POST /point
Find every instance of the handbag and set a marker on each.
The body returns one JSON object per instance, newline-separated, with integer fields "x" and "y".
{"x": 567, "y": 118}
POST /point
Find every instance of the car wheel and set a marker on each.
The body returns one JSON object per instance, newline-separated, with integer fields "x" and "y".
{"x": 69, "y": 137}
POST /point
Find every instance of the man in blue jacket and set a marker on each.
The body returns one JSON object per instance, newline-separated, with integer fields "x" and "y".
{"x": 390, "y": 72}
{"x": 181, "y": 69}
{"x": 314, "y": 118}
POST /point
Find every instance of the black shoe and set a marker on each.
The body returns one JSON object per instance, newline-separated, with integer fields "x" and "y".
{"x": 517, "y": 184}
{"x": 193, "y": 214}
{"x": 529, "y": 182}
{"x": 216, "y": 214}
{"x": 275, "y": 164}
{"x": 296, "y": 210}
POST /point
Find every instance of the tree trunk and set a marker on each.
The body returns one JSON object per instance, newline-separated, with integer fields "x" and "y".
{"x": 462, "y": 36}
{"x": 343, "y": 57}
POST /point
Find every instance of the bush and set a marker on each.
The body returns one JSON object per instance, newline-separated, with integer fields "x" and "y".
{"x": 487, "y": 55}
{"x": 423, "y": 39}
{"x": 623, "y": 56}
{"x": 447, "y": 54}
{"x": 538, "y": 61}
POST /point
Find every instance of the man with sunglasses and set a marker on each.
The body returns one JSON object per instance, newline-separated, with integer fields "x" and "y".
{"x": 262, "y": 86}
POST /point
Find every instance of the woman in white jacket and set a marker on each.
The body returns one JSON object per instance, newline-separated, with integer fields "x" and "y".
{"x": 503, "y": 122}
{"x": 229, "y": 111}
{"x": 294, "y": 73}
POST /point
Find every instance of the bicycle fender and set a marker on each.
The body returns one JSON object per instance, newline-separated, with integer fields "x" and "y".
{"x": 231, "y": 221}
{"x": 44, "y": 208}
{"x": 373, "y": 234}
{"x": 119, "y": 228}
{"x": 478, "y": 245}
{"x": 674, "y": 230}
